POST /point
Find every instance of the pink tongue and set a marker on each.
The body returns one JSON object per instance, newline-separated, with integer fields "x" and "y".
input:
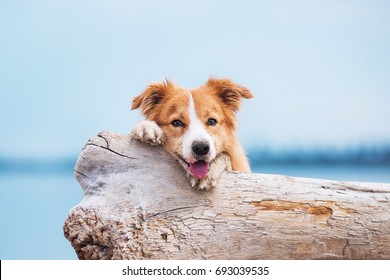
{"x": 199, "y": 169}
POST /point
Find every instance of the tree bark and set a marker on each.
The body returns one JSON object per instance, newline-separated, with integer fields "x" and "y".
{"x": 138, "y": 205}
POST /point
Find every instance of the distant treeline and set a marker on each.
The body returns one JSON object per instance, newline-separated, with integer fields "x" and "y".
{"x": 360, "y": 156}
{"x": 37, "y": 166}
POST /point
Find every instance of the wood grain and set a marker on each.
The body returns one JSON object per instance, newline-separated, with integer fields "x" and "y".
{"x": 138, "y": 205}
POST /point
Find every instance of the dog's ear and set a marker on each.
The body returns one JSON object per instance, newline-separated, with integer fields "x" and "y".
{"x": 151, "y": 96}
{"x": 228, "y": 92}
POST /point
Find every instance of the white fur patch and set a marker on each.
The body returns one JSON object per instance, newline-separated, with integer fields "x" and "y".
{"x": 196, "y": 132}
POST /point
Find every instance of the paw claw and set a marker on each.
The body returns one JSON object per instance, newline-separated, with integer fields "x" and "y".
{"x": 204, "y": 185}
{"x": 193, "y": 181}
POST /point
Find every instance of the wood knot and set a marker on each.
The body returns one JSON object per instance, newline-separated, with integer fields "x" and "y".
{"x": 321, "y": 212}
{"x": 164, "y": 236}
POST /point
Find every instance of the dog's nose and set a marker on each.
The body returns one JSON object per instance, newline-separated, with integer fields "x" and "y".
{"x": 200, "y": 148}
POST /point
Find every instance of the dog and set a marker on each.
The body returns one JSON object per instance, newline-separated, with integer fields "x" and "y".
{"x": 197, "y": 127}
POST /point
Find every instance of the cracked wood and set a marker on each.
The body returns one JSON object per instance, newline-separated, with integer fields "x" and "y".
{"x": 138, "y": 205}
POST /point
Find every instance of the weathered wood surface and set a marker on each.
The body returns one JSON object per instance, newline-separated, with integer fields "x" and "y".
{"x": 138, "y": 205}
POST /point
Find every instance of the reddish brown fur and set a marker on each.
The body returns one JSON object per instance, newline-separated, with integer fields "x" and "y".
{"x": 218, "y": 99}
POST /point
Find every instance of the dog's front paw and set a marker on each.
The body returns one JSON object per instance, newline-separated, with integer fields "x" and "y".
{"x": 206, "y": 183}
{"x": 149, "y": 132}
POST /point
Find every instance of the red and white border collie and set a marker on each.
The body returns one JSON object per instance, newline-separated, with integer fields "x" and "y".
{"x": 197, "y": 127}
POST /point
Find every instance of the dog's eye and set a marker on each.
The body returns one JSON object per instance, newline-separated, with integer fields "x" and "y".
{"x": 211, "y": 121}
{"x": 177, "y": 123}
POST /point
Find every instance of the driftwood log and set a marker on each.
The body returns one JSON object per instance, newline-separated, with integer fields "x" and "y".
{"x": 138, "y": 205}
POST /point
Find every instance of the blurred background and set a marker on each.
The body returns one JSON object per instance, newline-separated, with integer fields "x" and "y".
{"x": 319, "y": 71}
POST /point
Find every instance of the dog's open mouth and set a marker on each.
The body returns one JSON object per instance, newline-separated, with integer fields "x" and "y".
{"x": 198, "y": 169}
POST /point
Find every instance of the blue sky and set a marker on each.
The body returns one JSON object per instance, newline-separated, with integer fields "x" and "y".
{"x": 319, "y": 70}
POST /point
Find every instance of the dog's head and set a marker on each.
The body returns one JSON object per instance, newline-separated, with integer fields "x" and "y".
{"x": 198, "y": 124}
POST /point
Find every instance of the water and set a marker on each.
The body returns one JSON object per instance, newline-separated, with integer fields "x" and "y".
{"x": 33, "y": 208}
{"x": 363, "y": 173}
